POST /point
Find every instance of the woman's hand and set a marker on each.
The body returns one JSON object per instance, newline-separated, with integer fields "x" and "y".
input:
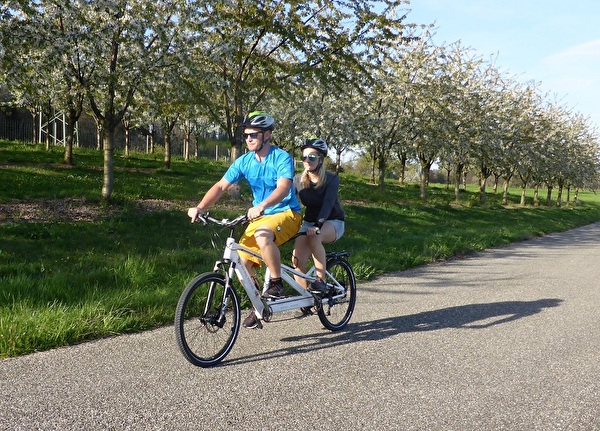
{"x": 313, "y": 231}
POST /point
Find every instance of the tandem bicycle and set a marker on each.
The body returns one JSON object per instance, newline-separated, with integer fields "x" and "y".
{"x": 208, "y": 314}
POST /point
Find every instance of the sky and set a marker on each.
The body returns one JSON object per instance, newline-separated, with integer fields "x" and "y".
{"x": 555, "y": 43}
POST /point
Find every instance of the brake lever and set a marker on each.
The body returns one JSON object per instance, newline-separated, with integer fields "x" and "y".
{"x": 202, "y": 218}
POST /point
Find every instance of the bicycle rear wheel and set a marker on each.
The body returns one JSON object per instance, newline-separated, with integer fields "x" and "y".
{"x": 336, "y": 314}
{"x": 207, "y": 320}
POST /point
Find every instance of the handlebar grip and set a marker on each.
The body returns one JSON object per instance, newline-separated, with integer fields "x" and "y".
{"x": 202, "y": 218}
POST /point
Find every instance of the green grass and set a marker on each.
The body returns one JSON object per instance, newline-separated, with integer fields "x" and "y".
{"x": 68, "y": 282}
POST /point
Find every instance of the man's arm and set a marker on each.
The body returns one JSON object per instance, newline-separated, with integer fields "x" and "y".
{"x": 276, "y": 196}
{"x": 209, "y": 199}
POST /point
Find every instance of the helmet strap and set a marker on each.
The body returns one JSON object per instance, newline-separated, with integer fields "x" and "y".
{"x": 316, "y": 169}
{"x": 262, "y": 142}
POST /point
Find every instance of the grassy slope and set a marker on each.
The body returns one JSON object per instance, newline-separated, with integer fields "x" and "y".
{"x": 67, "y": 282}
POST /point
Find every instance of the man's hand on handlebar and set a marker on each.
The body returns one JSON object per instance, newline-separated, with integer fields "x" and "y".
{"x": 194, "y": 213}
{"x": 255, "y": 212}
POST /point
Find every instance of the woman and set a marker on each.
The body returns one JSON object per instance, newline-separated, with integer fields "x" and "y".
{"x": 323, "y": 219}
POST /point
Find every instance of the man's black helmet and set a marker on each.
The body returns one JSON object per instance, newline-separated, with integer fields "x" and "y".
{"x": 259, "y": 120}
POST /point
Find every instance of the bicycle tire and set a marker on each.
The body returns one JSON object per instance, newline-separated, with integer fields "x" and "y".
{"x": 202, "y": 338}
{"x": 336, "y": 314}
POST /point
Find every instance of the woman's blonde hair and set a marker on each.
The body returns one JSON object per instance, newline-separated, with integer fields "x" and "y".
{"x": 305, "y": 179}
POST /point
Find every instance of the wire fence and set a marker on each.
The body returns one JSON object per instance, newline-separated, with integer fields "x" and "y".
{"x": 16, "y": 130}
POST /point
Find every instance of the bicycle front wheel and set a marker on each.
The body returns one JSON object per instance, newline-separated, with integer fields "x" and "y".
{"x": 335, "y": 313}
{"x": 207, "y": 320}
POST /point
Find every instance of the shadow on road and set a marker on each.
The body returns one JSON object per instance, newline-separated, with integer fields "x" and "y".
{"x": 471, "y": 316}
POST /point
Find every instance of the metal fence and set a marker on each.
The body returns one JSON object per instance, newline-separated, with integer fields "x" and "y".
{"x": 16, "y": 130}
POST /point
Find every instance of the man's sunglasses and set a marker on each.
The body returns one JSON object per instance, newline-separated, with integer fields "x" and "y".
{"x": 310, "y": 158}
{"x": 251, "y": 135}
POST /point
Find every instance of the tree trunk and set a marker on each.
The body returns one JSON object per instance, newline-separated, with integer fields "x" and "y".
{"x": 236, "y": 137}
{"x": 126, "y": 139}
{"x": 402, "y": 171}
{"x": 99, "y": 137}
{"x": 236, "y": 151}
{"x": 482, "y": 193}
{"x": 425, "y": 168}
{"x": 168, "y": 126}
{"x": 457, "y": 180}
{"x": 484, "y": 174}
{"x": 382, "y": 167}
{"x": 425, "y": 163}
{"x": 496, "y": 180}
{"x": 48, "y": 114}
{"x": 524, "y": 181}
{"x": 70, "y": 134}
{"x": 107, "y": 184}
{"x": 458, "y": 176}
{"x": 559, "y": 196}
{"x": 167, "y": 160}
{"x": 505, "y": 188}
{"x": 448, "y": 178}
{"x": 186, "y": 147}
{"x": 73, "y": 112}
{"x": 373, "y": 164}
{"x": 34, "y": 114}
{"x": 187, "y": 135}
{"x": 197, "y": 145}
{"x": 549, "y": 195}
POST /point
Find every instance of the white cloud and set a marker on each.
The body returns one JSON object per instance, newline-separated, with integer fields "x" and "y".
{"x": 552, "y": 42}
{"x": 572, "y": 75}
{"x": 575, "y": 69}
{"x": 588, "y": 52}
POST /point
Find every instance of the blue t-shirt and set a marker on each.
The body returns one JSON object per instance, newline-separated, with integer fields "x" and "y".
{"x": 263, "y": 176}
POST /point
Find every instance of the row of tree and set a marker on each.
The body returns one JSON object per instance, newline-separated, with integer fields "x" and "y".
{"x": 355, "y": 73}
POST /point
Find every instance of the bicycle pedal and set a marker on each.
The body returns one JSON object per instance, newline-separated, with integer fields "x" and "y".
{"x": 270, "y": 298}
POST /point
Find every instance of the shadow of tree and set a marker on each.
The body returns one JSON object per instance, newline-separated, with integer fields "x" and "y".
{"x": 471, "y": 316}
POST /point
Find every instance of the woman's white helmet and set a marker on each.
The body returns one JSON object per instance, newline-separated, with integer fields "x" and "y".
{"x": 318, "y": 144}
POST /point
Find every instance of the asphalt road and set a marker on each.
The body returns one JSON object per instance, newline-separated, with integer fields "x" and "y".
{"x": 507, "y": 339}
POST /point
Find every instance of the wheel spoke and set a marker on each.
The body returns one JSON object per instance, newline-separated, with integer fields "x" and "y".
{"x": 205, "y": 328}
{"x": 336, "y": 314}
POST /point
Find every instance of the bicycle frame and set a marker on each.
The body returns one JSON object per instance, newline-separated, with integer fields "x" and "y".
{"x": 266, "y": 308}
{"x": 207, "y": 318}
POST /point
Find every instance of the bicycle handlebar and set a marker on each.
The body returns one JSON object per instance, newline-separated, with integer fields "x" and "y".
{"x": 205, "y": 218}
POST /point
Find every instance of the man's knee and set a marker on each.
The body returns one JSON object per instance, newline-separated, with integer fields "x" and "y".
{"x": 263, "y": 236}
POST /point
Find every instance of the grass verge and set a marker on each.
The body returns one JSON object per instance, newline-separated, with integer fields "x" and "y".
{"x": 65, "y": 282}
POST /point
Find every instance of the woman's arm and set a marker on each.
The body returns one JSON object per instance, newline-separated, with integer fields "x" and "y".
{"x": 332, "y": 187}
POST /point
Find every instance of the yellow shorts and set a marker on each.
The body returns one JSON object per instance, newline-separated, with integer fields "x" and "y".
{"x": 284, "y": 225}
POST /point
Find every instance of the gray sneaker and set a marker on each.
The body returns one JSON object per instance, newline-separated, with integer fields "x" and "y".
{"x": 319, "y": 286}
{"x": 304, "y": 312}
{"x": 252, "y": 321}
{"x": 275, "y": 290}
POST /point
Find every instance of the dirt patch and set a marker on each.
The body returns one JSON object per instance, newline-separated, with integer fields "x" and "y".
{"x": 72, "y": 210}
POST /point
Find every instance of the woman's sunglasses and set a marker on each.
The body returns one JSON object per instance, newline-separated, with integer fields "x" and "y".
{"x": 310, "y": 158}
{"x": 251, "y": 135}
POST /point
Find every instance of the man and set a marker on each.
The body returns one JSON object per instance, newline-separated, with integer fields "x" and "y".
{"x": 275, "y": 215}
